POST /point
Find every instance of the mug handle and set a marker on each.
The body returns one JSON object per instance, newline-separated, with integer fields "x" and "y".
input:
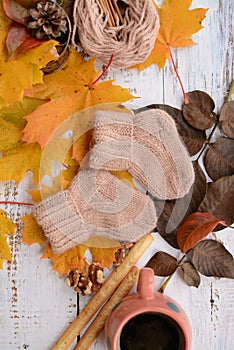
{"x": 145, "y": 285}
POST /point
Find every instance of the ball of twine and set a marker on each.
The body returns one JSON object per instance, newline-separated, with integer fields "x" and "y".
{"x": 130, "y": 42}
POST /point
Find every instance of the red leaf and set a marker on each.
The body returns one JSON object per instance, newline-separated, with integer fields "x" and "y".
{"x": 19, "y": 40}
{"x": 15, "y": 11}
{"x": 195, "y": 227}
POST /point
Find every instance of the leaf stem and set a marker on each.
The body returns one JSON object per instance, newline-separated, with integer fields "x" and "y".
{"x": 104, "y": 71}
{"x": 186, "y": 100}
{"x": 180, "y": 261}
{"x": 230, "y": 92}
{"x": 208, "y": 141}
{"x": 165, "y": 283}
{"x": 16, "y": 203}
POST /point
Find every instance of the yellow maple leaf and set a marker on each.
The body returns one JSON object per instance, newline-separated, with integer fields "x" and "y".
{"x": 59, "y": 151}
{"x": 82, "y": 124}
{"x": 102, "y": 249}
{"x": 69, "y": 91}
{"x": 35, "y": 194}
{"x": 7, "y": 227}
{"x": 104, "y": 256}
{"x": 20, "y": 74}
{"x": 32, "y": 232}
{"x": 177, "y": 24}
{"x": 125, "y": 176}
{"x": 101, "y": 242}
{"x": 74, "y": 258}
{"x": 10, "y": 135}
{"x": 15, "y": 113}
{"x": 72, "y": 169}
{"x": 17, "y": 161}
{"x": 71, "y": 259}
{"x": 12, "y": 121}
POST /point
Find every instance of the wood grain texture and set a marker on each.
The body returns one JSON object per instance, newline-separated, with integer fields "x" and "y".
{"x": 36, "y": 306}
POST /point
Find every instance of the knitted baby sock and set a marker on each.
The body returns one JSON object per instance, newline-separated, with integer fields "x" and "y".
{"x": 95, "y": 203}
{"x": 148, "y": 146}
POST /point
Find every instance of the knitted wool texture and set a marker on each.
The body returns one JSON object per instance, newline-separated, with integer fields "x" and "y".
{"x": 148, "y": 146}
{"x": 130, "y": 42}
{"x": 95, "y": 203}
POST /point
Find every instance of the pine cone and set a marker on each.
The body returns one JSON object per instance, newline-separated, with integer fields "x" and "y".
{"x": 48, "y": 21}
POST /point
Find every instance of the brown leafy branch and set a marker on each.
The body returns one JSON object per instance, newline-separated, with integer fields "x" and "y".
{"x": 185, "y": 222}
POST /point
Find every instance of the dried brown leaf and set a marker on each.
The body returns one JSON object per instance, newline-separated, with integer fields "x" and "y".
{"x": 211, "y": 258}
{"x": 219, "y": 199}
{"x": 191, "y": 276}
{"x": 219, "y": 160}
{"x": 227, "y": 118}
{"x": 163, "y": 264}
{"x": 174, "y": 212}
{"x": 198, "y": 112}
{"x": 194, "y": 228}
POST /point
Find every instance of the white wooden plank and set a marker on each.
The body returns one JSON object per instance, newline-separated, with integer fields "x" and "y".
{"x": 36, "y": 306}
{"x": 208, "y": 65}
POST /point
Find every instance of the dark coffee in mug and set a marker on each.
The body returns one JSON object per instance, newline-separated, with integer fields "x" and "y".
{"x": 152, "y": 331}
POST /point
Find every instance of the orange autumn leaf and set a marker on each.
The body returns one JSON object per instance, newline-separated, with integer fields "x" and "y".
{"x": 177, "y": 25}
{"x": 27, "y": 65}
{"x": 69, "y": 91}
{"x": 32, "y": 232}
{"x": 71, "y": 259}
{"x": 194, "y": 228}
{"x": 7, "y": 227}
{"x": 82, "y": 146}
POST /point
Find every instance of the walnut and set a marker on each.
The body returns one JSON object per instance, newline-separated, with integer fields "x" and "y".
{"x": 121, "y": 253}
{"x": 84, "y": 286}
{"x": 73, "y": 278}
{"x": 96, "y": 276}
{"x": 88, "y": 281}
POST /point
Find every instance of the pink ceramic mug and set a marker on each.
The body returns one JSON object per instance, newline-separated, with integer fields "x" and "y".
{"x": 148, "y": 321}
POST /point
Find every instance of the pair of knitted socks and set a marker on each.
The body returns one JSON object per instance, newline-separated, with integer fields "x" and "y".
{"x": 97, "y": 203}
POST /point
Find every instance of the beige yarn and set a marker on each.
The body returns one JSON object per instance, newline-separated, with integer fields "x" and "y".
{"x": 96, "y": 203}
{"x": 136, "y": 37}
{"x": 148, "y": 146}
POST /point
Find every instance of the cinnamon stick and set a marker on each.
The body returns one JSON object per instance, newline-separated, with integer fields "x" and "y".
{"x": 99, "y": 322}
{"x": 103, "y": 294}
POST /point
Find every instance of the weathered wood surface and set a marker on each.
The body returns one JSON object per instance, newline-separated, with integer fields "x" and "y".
{"x": 35, "y": 305}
